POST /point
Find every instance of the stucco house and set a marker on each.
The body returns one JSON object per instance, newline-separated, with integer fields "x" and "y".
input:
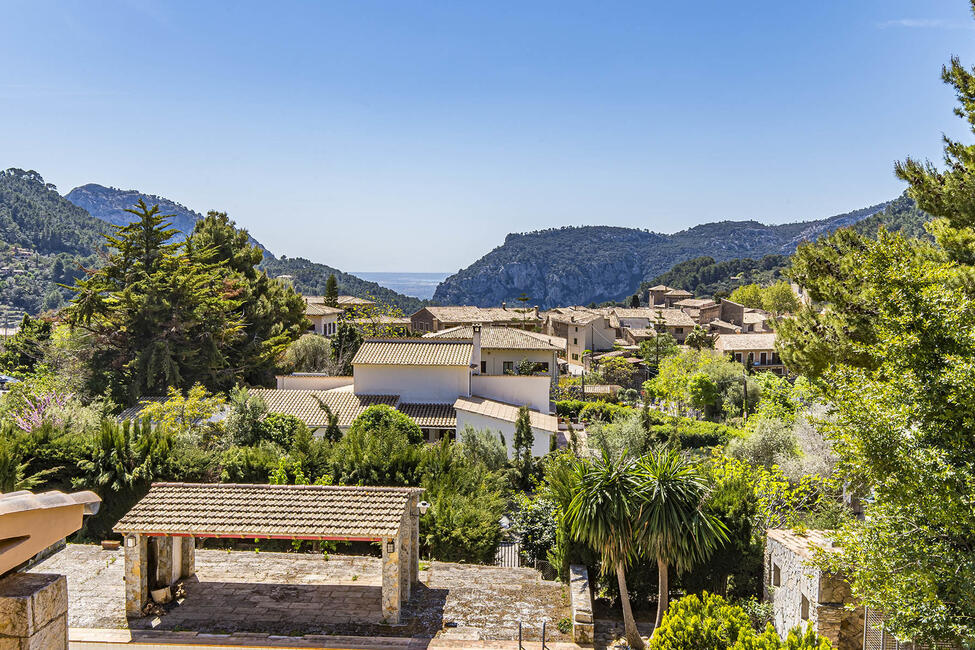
{"x": 583, "y": 329}
{"x": 324, "y": 319}
{"x": 433, "y": 380}
{"x": 757, "y": 350}
{"x": 674, "y": 321}
{"x": 503, "y": 349}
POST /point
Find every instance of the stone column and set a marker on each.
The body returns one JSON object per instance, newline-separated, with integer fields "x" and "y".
{"x": 414, "y": 539}
{"x": 391, "y": 580}
{"x": 164, "y": 565}
{"x": 404, "y": 545}
{"x": 136, "y": 580}
{"x": 34, "y": 611}
{"x": 188, "y": 566}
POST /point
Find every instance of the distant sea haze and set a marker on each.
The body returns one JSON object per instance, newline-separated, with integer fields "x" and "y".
{"x": 418, "y": 285}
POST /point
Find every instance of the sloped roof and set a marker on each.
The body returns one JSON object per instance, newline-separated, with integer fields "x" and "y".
{"x": 470, "y": 314}
{"x": 347, "y": 301}
{"x": 301, "y": 403}
{"x": 696, "y": 303}
{"x": 754, "y": 317}
{"x": 660, "y": 287}
{"x": 679, "y": 292}
{"x": 746, "y": 341}
{"x": 503, "y": 411}
{"x": 269, "y": 510}
{"x": 496, "y": 338}
{"x": 414, "y": 352}
{"x": 320, "y": 309}
{"x": 671, "y": 317}
{"x": 430, "y": 415}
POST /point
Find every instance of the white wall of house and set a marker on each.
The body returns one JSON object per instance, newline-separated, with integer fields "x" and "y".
{"x": 521, "y": 390}
{"x": 596, "y": 336}
{"x": 312, "y": 381}
{"x": 424, "y": 384}
{"x": 324, "y": 325}
{"x": 495, "y": 362}
{"x": 542, "y": 442}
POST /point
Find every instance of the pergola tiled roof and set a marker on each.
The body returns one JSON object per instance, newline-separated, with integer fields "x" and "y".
{"x": 497, "y": 338}
{"x": 503, "y": 411}
{"x": 414, "y": 352}
{"x": 436, "y": 416}
{"x": 275, "y": 511}
{"x": 302, "y": 404}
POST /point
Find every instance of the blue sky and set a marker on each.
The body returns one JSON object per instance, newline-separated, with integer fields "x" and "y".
{"x": 413, "y": 136}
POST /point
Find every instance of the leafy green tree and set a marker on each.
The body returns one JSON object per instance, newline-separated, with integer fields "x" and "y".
{"x": 158, "y": 317}
{"x": 382, "y": 447}
{"x": 484, "y": 446}
{"x": 331, "y": 291}
{"x": 749, "y": 295}
{"x": 244, "y": 418}
{"x": 604, "y": 513}
{"x": 23, "y": 351}
{"x": 332, "y": 431}
{"x": 310, "y": 353}
{"x": 674, "y": 526}
{"x": 779, "y": 298}
{"x": 699, "y": 338}
{"x": 703, "y": 392}
{"x": 273, "y": 313}
{"x": 616, "y": 370}
{"x": 657, "y": 349}
{"x": 524, "y": 440}
{"x": 345, "y": 344}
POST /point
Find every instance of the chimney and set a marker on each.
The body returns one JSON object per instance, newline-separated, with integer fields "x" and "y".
{"x": 504, "y": 305}
{"x": 476, "y": 356}
{"x": 535, "y": 311}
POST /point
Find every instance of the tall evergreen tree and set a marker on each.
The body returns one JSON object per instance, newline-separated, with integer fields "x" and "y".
{"x": 331, "y": 291}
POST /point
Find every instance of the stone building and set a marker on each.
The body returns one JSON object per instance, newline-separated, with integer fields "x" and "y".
{"x": 801, "y": 593}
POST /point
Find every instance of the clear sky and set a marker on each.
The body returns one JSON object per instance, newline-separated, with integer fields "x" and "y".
{"x": 413, "y": 136}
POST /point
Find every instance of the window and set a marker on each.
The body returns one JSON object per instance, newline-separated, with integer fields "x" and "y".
{"x": 575, "y": 341}
{"x": 804, "y": 609}
{"x": 508, "y": 367}
{"x": 738, "y": 357}
{"x": 776, "y": 575}
{"x": 484, "y": 367}
{"x": 575, "y": 357}
{"x": 763, "y": 358}
{"x": 679, "y": 330}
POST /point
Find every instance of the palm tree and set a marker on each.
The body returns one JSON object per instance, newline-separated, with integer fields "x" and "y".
{"x": 604, "y": 512}
{"x": 674, "y": 528}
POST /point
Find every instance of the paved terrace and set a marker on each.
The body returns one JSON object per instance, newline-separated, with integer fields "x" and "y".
{"x": 297, "y": 594}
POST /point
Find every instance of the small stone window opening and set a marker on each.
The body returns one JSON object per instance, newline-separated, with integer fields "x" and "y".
{"x": 804, "y": 609}
{"x": 776, "y": 575}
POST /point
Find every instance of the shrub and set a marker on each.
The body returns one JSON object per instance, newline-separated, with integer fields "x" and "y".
{"x": 536, "y": 522}
{"x": 569, "y": 407}
{"x": 712, "y": 623}
{"x": 248, "y": 464}
{"x": 602, "y": 412}
{"x": 281, "y": 428}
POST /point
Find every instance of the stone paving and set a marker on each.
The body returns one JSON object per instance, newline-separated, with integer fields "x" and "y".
{"x": 296, "y": 594}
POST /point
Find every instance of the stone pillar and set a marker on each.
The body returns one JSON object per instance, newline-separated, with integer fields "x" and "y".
{"x": 164, "y": 564}
{"x": 34, "y": 611}
{"x": 404, "y": 545}
{"x": 136, "y": 578}
{"x": 580, "y": 600}
{"x": 391, "y": 580}
{"x": 188, "y": 565}
{"x": 415, "y": 546}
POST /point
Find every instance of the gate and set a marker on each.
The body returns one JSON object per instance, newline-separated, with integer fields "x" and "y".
{"x": 876, "y": 637}
{"x": 509, "y": 555}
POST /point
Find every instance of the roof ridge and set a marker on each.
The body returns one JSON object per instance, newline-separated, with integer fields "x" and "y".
{"x": 349, "y": 488}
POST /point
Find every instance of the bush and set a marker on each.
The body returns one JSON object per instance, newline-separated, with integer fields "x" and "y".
{"x": 712, "y": 623}
{"x": 569, "y": 407}
{"x": 381, "y": 448}
{"x": 248, "y": 464}
{"x": 602, "y": 412}
{"x": 536, "y": 523}
{"x": 694, "y": 434}
{"x": 281, "y": 429}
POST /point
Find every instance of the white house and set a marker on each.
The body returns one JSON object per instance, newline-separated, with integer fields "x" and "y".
{"x": 756, "y": 350}
{"x": 504, "y": 349}
{"x": 436, "y": 381}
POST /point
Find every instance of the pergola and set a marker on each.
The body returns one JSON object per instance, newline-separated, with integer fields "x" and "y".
{"x": 162, "y": 528}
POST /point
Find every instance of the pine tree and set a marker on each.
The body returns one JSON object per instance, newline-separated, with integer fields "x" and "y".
{"x": 331, "y": 291}
{"x": 635, "y": 301}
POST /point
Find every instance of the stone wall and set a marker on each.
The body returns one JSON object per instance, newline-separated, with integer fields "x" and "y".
{"x": 580, "y": 600}
{"x": 33, "y": 612}
{"x": 801, "y": 594}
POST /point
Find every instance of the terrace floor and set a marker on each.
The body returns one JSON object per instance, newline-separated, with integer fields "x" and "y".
{"x": 297, "y": 594}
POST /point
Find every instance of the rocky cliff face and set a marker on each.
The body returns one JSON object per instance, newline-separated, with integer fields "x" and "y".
{"x": 566, "y": 266}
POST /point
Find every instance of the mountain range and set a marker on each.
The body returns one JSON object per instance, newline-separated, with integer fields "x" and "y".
{"x": 48, "y": 240}
{"x": 594, "y": 264}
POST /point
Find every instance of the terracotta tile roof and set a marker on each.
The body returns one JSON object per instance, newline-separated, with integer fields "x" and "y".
{"x": 382, "y": 319}
{"x": 574, "y": 316}
{"x": 414, "y": 352}
{"x": 301, "y": 404}
{"x": 754, "y": 317}
{"x": 642, "y": 332}
{"x": 717, "y": 323}
{"x": 320, "y": 309}
{"x": 496, "y": 338}
{"x": 431, "y": 415}
{"x": 671, "y": 317}
{"x": 696, "y": 303}
{"x": 507, "y": 412}
{"x": 745, "y": 342}
{"x": 660, "y": 287}
{"x": 679, "y": 292}
{"x": 470, "y": 314}
{"x": 268, "y": 510}
{"x": 352, "y": 301}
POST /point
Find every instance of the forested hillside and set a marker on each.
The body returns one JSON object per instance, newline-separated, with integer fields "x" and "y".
{"x": 704, "y": 276}
{"x": 46, "y": 240}
{"x": 579, "y": 265}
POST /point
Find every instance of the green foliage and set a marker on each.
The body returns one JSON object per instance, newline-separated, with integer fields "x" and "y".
{"x": 180, "y": 414}
{"x": 380, "y": 448}
{"x": 345, "y": 344}
{"x": 700, "y": 378}
{"x": 699, "y": 338}
{"x": 777, "y": 298}
{"x": 569, "y": 407}
{"x": 243, "y": 423}
{"x": 769, "y": 443}
{"x": 601, "y": 411}
{"x": 535, "y": 521}
{"x": 331, "y": 291}
{"x": 249, "y": 464}
{"x": 283, "y": 429}
{"x": 484, "y": 447}
{"x": 616, "y": 370}
{"x": 655, "y": 350}
{"x": 522, "y": 443}
{"x": 702, "y": 276}
{"x": 24, "y": 351}
{"x": 310, "y": 353}
{"x": 710, "y": 622}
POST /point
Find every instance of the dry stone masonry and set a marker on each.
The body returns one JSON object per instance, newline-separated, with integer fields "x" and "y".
{"x": 33, "y": 612}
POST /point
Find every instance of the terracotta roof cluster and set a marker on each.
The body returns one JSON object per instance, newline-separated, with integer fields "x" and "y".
{"x": 469, "y": 314}
{"x": 671, "y": 317}
{"x": 302, "y": 404}
{"x": 216, "y": 509}
{"x": 503, "y": 411}
{"x": 414, "y": 352}
{"x": 737, "y": 342}
{"x": 696, "y": 303}
{"x": 498, "y": 338}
